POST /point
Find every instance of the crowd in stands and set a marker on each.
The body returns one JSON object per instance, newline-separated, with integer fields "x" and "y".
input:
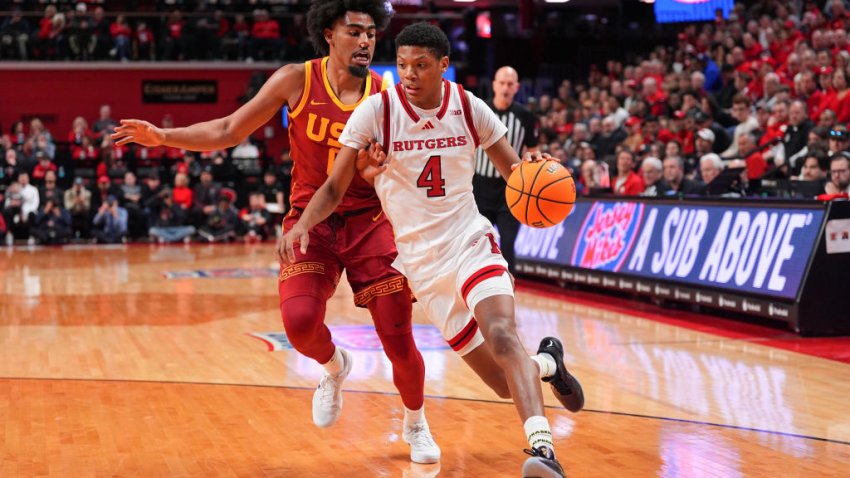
{"x": 86, "y": 32}
{"x": 116, "y": 193}
{"x": 753, "y": 105}
{"x": 749, "y": 106}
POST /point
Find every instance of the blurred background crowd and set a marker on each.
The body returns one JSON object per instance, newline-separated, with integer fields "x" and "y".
{"x": 752, "y": 104}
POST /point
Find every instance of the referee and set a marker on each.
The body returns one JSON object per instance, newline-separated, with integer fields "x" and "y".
{"x": 488, "y": 186}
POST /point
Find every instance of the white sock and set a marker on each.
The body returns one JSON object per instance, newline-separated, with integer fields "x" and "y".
{"x": 336, "y": 363}
{"x": 538, "y": 432}
{"x": 414, "y": 417}
{"x": 546, "y": 364}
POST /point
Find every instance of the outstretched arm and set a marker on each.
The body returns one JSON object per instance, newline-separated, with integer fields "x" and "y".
{"x": 284, "y": 86}
{"x": 506, "y": 160}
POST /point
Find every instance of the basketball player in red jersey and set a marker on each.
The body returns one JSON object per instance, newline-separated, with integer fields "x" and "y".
{"x": 321, "y": 94}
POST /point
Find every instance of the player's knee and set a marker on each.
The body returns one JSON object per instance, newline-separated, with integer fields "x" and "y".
{"x": 301, "y": 316}
{"x": 400, "y": 348}
{"x": 503, "y": 340}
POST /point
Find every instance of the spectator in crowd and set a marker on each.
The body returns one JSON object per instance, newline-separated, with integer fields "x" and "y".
{"x": 110, "y": 222}
{"x": 170, "y": 223}
{"x": 205, "y": 195}
{"x": 152, "y": 193}
{"x": 86, "y": 151}
{"x": 704, "y": 143}
{"x": 144, "y": 43}
{"x": 104, "y": 125}
{"x": 273, "y": 193}
{"x": 49, "y": 190}
{"x": 121, "y": 38}
{"x": 102, "y": 191}
{"x": 750, "y": 153}
{"x": 81, "y": 39}
{"x": 815, "y": 168}
{"x": 52, "y": 224}
{"x": 30, "y": 196}
{"x": 101, "y": 34}
{"x": 256, "y": 219}
{"x": 17, "y": 225}
{"x": 130, "y": 198}
{"x": 839, "y": 175}
{"x": 710, "y": 166}
{"x": 265, "y": 36}
{"x": 181, "y": 193}
{"x": 675, "y": 179}
{"x": 747, "y": 123}
{"x": 10, "y": 167}
{"x": 78, "y": 204}
{"x": 174, "y": 42}
{"x": 796, "y": 135}
{"x": 220, "y": 225}
{"x": 245, "y": 150}
{"x": 79, "y": 130}
{"x": 627, "y": 182}
{"x": 43, "y": 166}
{"x": 827, "y": 119}
{"x": 839, "y": 139}
{"x": 14, "y": 37}
{"x": 652, "y": 171}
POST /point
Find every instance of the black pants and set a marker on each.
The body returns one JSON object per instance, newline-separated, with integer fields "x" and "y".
{"x": 490, "y": 198}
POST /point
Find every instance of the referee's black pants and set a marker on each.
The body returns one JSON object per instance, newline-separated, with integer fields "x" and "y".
{"x": 490, "y": 198}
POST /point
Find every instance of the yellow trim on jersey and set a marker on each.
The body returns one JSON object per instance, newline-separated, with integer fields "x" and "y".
{"x": 340, "y": 104}
{"x": 385, "y": 83}
{"x": 308, "y": 67}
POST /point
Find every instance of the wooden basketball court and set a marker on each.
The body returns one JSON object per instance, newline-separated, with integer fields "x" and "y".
{"x": 151, "y": 361}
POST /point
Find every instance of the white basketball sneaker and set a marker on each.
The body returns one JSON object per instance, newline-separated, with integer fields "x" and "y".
{"x": 423, "y": 448}
{"x": 327, "y": 399}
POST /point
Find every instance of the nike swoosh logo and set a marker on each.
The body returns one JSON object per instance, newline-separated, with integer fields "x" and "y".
{"x": 376, "y": 217}
{"x": 316, "y": 103}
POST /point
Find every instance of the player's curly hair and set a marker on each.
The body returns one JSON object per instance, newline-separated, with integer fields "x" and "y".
{"x": 323, "y": 13}
{"x": 425, "y": 35}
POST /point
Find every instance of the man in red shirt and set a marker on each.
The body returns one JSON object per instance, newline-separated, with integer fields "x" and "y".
{"x": 265, "y": 35}
{"x": 357, "y": 238}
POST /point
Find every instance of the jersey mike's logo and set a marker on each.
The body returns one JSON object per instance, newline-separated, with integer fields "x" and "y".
{"x": 607, "y": 235}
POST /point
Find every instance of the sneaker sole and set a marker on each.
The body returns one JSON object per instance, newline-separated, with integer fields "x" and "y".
{"x": 537, "y": 468}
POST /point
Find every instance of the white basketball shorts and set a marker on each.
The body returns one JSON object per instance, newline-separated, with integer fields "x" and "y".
{"x": 476, "y": 271}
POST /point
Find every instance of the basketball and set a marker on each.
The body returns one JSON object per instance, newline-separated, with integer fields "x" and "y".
{"x": 540, "y": 194}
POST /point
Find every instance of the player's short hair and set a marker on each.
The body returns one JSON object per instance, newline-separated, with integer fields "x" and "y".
{"x": 323, "y": 13}
{"x": 424, "y": 35}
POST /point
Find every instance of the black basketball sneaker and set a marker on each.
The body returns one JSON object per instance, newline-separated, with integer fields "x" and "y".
{"x": 565, "y": 387}
{"x": 542, "y": 464}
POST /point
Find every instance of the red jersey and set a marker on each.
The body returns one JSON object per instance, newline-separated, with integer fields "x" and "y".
{"x": 314, "y": 128}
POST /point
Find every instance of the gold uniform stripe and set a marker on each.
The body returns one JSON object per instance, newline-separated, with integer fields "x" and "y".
{"x": 336, "y": 101}
{"x": 308, "y": 70}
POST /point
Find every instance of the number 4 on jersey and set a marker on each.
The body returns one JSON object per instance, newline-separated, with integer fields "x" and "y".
{"x": 432, "y": 178}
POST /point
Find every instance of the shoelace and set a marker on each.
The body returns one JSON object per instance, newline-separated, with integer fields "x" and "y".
{"x": 327, "y": 396}
{"x": 420, "y": 436}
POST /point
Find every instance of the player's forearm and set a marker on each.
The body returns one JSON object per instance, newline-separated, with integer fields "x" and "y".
{"x": 206, "y": 136}
{"x": 322, "y": 205}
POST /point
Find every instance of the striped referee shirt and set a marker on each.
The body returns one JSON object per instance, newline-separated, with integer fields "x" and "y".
{"x": 521, "y": 132}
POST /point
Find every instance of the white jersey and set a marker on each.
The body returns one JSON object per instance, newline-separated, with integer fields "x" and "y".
{"x": 426, "y": 190}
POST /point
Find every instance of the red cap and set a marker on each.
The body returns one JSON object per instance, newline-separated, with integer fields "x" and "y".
{"x": 632, "y": 121}
{"x": 825, "y": 70}
{"x": 682, "y": 36}
{"x": 631, "y": 83}
{"x": 788, "y": 24}
{"x": 679, "y": 114}
{"x": 103, "y": 179}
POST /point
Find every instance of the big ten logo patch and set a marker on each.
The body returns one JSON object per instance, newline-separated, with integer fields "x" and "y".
{"x": 321, "y": 130}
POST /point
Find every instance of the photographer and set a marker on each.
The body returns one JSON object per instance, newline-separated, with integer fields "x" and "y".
{"x": 53, "y": 224}
{"x": 110, "y": 222}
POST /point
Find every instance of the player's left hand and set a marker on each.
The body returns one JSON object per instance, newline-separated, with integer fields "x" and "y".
{"x": 285, "y": 249}
{"x": 371, "y": 162}
{"x": 533, "y": 157}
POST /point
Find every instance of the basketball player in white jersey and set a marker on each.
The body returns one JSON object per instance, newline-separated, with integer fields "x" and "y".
{"x": 429, "y": 128}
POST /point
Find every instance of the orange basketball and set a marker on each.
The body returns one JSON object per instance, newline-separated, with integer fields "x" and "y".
{"x": 540, "y": 194}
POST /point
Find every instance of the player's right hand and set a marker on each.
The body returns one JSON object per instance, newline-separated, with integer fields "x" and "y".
{"x": 371, "y": 161}
{"x": 285, "y": 249}
{"x": 138, "y": 131}
{"x": 533, "y": 157}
